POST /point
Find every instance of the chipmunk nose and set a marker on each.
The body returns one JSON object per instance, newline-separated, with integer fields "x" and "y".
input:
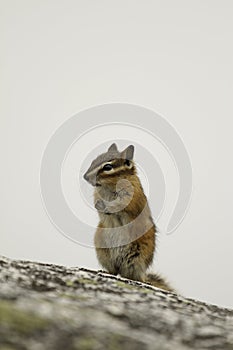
{"x": 86, "y": 177}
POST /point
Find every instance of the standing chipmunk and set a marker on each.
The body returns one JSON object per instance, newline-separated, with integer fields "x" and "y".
{"x": 125, "y": 236}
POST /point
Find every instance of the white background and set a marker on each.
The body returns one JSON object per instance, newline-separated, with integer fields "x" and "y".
{"x": 59, "y": 57}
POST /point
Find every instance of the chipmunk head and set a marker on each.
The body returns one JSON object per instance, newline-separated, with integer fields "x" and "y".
{"x": 108, "y": 167}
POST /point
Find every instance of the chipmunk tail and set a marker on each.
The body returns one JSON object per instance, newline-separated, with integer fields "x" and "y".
{"x": 157, "y": 281}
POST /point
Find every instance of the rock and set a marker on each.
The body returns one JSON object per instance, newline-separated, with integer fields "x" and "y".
{"x": 46, "y": 306}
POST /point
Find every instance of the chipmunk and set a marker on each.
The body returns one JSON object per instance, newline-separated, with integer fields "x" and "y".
{"x": 125, "y": 236}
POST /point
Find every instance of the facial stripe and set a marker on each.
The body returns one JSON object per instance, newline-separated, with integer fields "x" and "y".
{"x": 116, "y": 171}
{"x": 118, "y": 166}
{"x": 97, "y": 169}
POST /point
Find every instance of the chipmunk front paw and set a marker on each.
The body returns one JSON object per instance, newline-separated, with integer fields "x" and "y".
{"x": 99, "y": 205}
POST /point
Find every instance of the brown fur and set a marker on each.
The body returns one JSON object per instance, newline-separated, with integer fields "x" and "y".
{"x": 125, "y": 236}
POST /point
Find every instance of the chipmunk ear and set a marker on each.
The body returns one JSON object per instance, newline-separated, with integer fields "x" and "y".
{"x": 113, "y": 148}
{"x": 128, "y": 153}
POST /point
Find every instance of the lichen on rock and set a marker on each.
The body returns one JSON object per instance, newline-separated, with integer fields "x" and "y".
{"x": 46, "y": 306}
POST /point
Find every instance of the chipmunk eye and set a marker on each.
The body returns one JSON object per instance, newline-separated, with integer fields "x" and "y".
{"x": 127, "y": 162}
{"x": 107, "y": 167}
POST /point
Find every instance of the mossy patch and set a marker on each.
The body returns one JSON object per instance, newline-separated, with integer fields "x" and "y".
{"x": 117, "y": 341}
{"x": 69, "y": 283}
{"x": 147, "y": 291}
{"x": 73, "y": 297}
{"x": 86, "y": 343}
{"x": 86, "y": 281}
{"x": 124, "y": 285}
{"x": 19, "y": 320}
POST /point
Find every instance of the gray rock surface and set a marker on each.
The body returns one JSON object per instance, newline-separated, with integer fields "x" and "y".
{"x": 45, "y": 306}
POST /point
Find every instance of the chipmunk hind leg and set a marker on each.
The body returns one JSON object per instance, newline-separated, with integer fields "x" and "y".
{"x": 134, "y": 272}
{"x": 133, "y": 265}
{"x": 137, "y": 257}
